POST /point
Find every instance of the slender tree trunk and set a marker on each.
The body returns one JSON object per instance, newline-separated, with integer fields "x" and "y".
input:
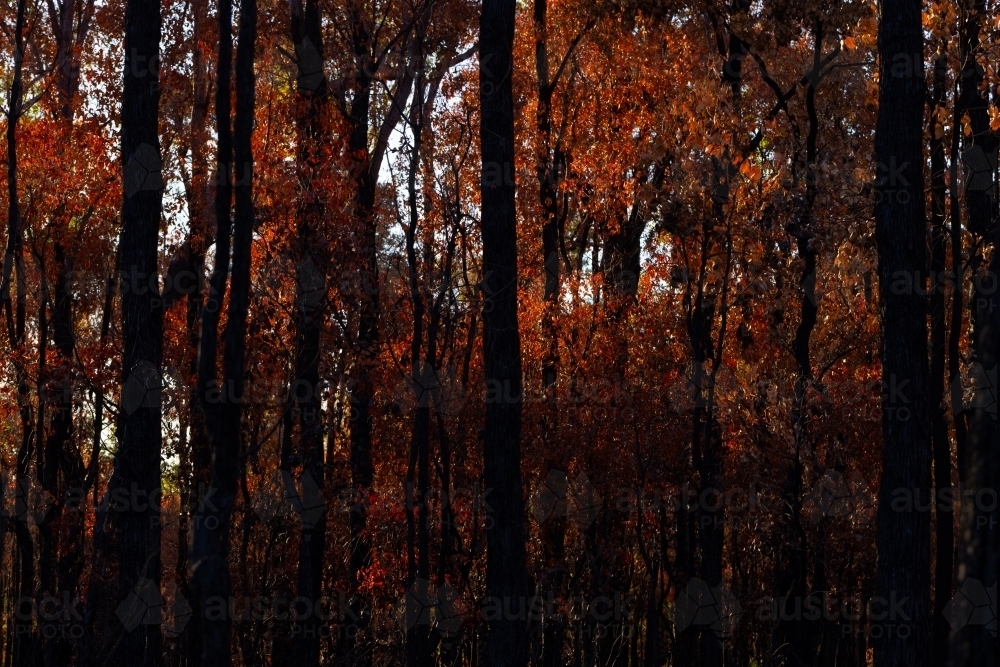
{"x": 547, "y": 166}
{"x": 138, "y": 461}
{"x": 708, "y": 453}
{"x": 546, "y": 173}
{"x": 940, "y": 444}
{"x": 223, "y": 404}
{"x": 506, "y": 570}
{"x": 684, "y": 648}
{"x": 903, "y": 537}
{"x": 711, "y": 528}
{"x": 195, "y": 464}
{"x": 46, "y": 461}
{"x": 13, "y": 268}
{"x": 957, "y": 293}
{"x": 800, "y": 636}
{"x": 356, "y": 643}
{"x": 312, "y": 126}
{"x": 90, "y": 652}
{"x": 422, "y": 374}
{"x": 706, "y": 442}
{"x": 978, "y": 557}
{"x": 70, "y": 30}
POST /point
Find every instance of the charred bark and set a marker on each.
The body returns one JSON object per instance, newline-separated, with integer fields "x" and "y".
{"x": 902, "y": 538}
{"x": 222, "y": 404}
{"x": 944, "y": 557}
{"x": 137, "y": 464}
{"x": 506, "y": 574}
{"x": 312, "y": 127}
{"x": 978, "y": 557}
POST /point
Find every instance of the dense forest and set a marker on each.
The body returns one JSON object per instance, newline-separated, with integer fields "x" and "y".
{"x": 499, "y": 333}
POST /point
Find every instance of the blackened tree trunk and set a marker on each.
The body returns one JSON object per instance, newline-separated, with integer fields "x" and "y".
{"x": 418, "y": 645}
{"x": 549, "y": 163}
{"x": 546, "y": 173}
{"x": 944, "y": 517}
{"x": 957, "y": 297}
{"x": 70, "y": 29}
{"x": 794, "y": 640}
{"x": 356, "y": 643}
{"x": 137, "y": 465}
{"x": 701, "y": 307}
{"x": 223, "y": 404}
{"x": 97, "y": 580}
{"x": 684, "y": 649}
{"x": 506, "y": 571}
{"x": 13, "y": 268}
{"x": 313, "y": 137}
{"x": 902, "y": 537}
{"x": 205, "y": 544}
{"x": 195, "y": 455}
{"x": 707, "y": 449}
{"x": 972, "y": 644}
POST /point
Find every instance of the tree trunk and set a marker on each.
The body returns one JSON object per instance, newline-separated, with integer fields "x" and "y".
{"x": 70, "y": 30}
{"x": 137, "y": 465}
{"x": 546, "y": 172}
{"x": 902, "y": 537}
{"x": 90, "y": 650}
{"x": 195, "y": 461}
{"x": 422, "y": 373}
{"x": 312, "y": 126}
{"x": 13, "y": 268}
{"x": 940, "y": 443}
{"x": 357, "y": 644}
{"x": 223, "y": 404}
{"x": 800, "y": 636}
{"x": 972, "y": 644}
{"x": 506, "y": 570}
{"x": 212, "y": 636}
